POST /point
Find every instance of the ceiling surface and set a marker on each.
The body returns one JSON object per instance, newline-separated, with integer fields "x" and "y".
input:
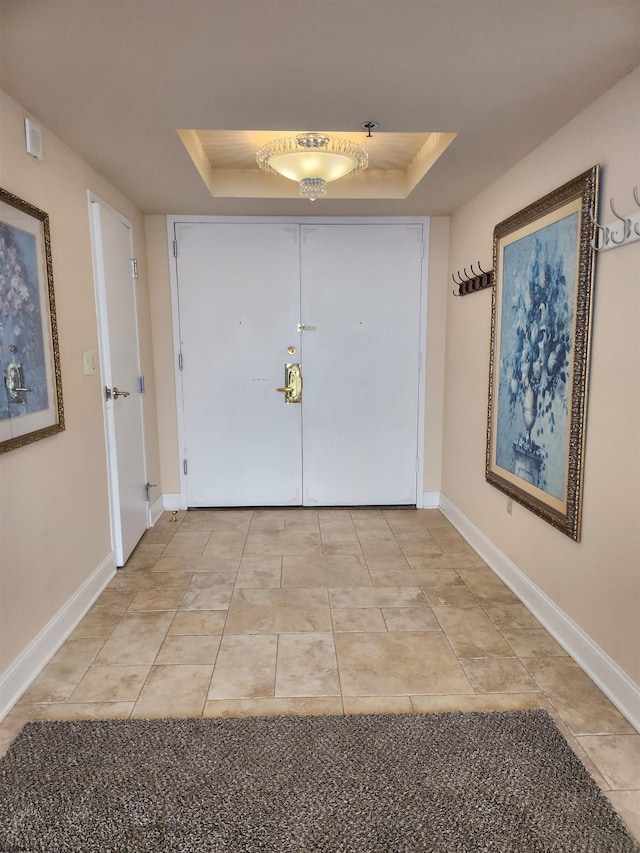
{"x": 117, "y": 79}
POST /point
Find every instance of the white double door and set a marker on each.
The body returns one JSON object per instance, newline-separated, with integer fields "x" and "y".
{"x": 342, "y": 301}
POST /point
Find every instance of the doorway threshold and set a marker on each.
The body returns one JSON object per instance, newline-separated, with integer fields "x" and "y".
{"x": 298, "y": 508}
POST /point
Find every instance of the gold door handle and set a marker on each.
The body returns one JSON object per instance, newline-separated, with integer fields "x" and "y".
{"x": 293, "y": 384}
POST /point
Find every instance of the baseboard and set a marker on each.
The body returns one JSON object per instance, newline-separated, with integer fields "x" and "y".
{"x": 155, "y": 510}
{"x": 431, "y": 500}
{"x": 613, "y": 681}
{"x": 165, "y": 503}
{"x": 171, "y": 502}
{"x": 30, "y": 663}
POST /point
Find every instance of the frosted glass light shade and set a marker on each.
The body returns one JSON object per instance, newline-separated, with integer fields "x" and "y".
{"x": 313, "y": 160}
{"x": 328, "y": 165}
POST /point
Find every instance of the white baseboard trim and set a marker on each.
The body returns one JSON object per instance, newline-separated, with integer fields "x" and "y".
{"x": 165, "y": 503}
{"x": 172, "y": 501}
{"x": 30, "y": 663}
{"x": 431, "y": 500}
{"x": 613, "y": 681}
{"x": 155, "y": 510}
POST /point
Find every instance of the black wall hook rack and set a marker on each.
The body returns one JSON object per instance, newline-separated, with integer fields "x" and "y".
{"x": 472, "y": 283}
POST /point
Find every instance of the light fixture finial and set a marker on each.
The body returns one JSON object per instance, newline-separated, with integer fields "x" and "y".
{"x": 313, "y": 188}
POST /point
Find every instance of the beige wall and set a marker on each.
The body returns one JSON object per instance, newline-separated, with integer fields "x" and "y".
{"x": 595, "y": 582}
{"x": 54, "y": 517}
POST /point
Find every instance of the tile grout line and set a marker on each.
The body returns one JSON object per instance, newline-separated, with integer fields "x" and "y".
{"x": 226, "y": 618}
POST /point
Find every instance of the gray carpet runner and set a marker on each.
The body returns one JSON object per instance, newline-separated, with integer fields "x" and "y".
{"x": 447, "y": 783}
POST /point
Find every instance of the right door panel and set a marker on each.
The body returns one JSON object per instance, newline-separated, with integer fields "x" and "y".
{"x": 361, "y": 290}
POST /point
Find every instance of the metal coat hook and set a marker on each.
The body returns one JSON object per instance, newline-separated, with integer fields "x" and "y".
{"x": 460, "y": 282}
{"x": 605, "y": 235}
{"x": 626, "y": 222}
{"x": 636, "y": 198}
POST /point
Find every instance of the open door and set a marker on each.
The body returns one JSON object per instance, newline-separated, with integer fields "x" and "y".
{"x": 122, "y": 383}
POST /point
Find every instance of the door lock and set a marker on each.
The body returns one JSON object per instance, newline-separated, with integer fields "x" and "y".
{"x": 292, "y": 384}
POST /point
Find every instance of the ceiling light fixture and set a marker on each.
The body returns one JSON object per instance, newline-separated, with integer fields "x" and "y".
{"x": 313, "y": 160}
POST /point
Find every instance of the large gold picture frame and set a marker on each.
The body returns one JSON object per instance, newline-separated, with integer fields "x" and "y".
{"x": 540, "y": 349}
{"x": 31, "y": 390}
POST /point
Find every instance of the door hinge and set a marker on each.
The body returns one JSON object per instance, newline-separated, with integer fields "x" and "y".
{"x": 180, "y": 362}
{"x": 148, "y": 488}
{"x": 417, "y": 465}
{"x": 184, "y": 465}
{"x": 134, "y": 268}
{"x": 422, "y": 248}
{"x": 141, "y": 381}
{"x": 175, "y": 248}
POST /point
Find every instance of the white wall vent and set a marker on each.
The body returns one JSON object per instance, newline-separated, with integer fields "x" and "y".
{"x": 33, "y": 136}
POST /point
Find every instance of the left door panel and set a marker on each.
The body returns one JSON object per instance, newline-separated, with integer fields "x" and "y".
{"x": 120, "y": 359}
{"x": 239, "y": 307}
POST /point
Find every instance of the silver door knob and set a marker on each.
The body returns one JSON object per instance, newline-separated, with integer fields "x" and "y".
{"x": 117, "y": 393}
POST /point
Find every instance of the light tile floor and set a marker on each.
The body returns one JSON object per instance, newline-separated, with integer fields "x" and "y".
{"x": 232, "y": 613}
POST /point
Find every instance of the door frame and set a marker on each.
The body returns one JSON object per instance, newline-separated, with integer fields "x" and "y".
{"x": 104, "y": 349}
{"x": 424, "y": 221}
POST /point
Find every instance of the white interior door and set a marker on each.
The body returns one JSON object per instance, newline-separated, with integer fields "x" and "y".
{"x": 361, "y": 287}
{"x": 239, "y": 305}
{"x": 243, "y": 289}
{"x": 120, "y": 361}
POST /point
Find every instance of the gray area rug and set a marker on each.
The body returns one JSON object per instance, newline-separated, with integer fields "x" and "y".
{"x": 362, "y": 784}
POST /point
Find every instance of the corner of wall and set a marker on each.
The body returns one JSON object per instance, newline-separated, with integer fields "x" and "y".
{"x": 435, "y": 356}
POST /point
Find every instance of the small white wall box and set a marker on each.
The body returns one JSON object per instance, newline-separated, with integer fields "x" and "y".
{"x": 33, "y": 136}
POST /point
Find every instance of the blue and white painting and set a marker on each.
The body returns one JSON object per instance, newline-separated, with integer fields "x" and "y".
{"x": 22, "y": 349}
{"x": 536, "y": 340}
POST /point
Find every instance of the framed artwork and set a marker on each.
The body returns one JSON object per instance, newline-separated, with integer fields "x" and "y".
{"x": 31, "y": 391}
{"x": 539, "y": 365}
